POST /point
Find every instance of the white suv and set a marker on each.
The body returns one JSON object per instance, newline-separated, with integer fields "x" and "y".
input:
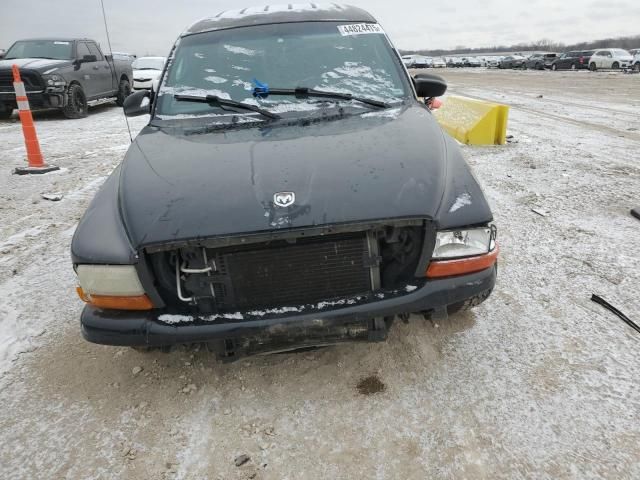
{"x": 614, "y": 58}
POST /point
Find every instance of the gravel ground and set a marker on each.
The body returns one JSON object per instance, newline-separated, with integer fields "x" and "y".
{"x": 538, "y": 382}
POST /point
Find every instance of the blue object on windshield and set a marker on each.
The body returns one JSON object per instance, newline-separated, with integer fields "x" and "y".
{"x": 261, "y": 90}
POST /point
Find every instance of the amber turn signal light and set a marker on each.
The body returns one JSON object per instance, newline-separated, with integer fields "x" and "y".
{"x": 138, "y": 302}
{"x": 462, "y": 266}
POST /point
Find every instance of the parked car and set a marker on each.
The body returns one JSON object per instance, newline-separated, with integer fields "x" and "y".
{"x": 146, "y": 71}
{"x": 63, "y": 73}
{"x": 613, "y": 58}
{"x": 494, "y": 62}
{"x": 421, "y": 61}
{"x": 455, "y": 62}
{"x": 512, "y": 61}
{"x": 439, "y": 62}
{"x": 127, "y": 57}
{"x": 245, "y": 219}
{"x": 471, "y": 62}
{"x": 408, "y": 60}
{"x": 636, "y": 62}
{"x": 540, "y": 61}
{"x": 573, "y": 60}
{"x": 416, "y": 61}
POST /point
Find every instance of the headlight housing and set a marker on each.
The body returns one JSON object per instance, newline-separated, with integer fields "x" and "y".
{"x": 463, "y": 251}
{"x": 55, "y": 80}
{"x": 464, "y": 242}
{"x": 112, "y": 286}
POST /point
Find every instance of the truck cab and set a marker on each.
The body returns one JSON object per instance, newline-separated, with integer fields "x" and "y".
{"x": 68, "y": 74}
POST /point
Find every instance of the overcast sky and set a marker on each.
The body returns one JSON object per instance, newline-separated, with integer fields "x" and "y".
{"x": 151, "y": 26}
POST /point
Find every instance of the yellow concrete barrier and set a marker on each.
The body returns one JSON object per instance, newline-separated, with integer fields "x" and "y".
{"x": 474, "y": 122}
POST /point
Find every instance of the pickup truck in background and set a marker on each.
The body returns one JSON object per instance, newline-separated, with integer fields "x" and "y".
{"x": 63, "y": 73}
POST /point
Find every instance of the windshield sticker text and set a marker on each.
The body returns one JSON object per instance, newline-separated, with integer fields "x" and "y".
{"x": 360, "y": 29}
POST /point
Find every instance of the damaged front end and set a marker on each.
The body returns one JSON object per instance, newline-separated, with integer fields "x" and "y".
{"x": 289, "y": 273}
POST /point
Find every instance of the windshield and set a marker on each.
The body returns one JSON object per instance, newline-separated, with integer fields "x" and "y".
{"x": 59, "y": 50}
{"x": 618, "y": 52}
{"x": 148, "y": 63}
{"x": 317, "y": 55}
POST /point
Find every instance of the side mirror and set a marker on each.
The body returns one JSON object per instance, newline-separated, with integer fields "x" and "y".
{"x": 429, "y": 85}
{"x": 88, "y": 59}
{"x": 138, "y": 103}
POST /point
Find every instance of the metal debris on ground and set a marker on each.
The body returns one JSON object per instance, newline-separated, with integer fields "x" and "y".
{"x": 608, "y": 306}
{"x": 636, "y": 212}
{"x": 539, "y": 211}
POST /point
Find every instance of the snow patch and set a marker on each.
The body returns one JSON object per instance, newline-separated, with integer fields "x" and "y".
{"x": 214, "y": 79}
{"x": 253, "y": 11}
{"x": 198, "y": 92}
{"x": 240, "y": 50}
{"x": 173, "y": 319}
{"x": 241, "y": 83}
{"x": 462, "y": 200}
{"x": 387, "y": 113}
{"x": 17, "y": 238}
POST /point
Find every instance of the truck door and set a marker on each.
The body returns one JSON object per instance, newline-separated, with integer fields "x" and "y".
{"x": 86, "y": 71}
{"x": 104, "y": 76}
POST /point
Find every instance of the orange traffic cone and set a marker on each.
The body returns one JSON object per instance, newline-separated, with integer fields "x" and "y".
{"x": 34, "y": 155}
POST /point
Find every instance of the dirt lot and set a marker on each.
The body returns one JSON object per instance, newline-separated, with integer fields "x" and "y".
{"x": 538, "y": 382}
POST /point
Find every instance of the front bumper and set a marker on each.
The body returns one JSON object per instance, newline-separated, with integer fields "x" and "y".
{"x": 314, "y": 325}
{"x": 142, "y": 85}
{"x": 37, "y": 100}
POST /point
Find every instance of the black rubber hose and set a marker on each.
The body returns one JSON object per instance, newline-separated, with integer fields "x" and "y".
{"x": 608, "y": 306}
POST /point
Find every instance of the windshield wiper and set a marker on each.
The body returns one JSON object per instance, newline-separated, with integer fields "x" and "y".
{"x": 262, "y": 91}
{"x": 216, "y": 101}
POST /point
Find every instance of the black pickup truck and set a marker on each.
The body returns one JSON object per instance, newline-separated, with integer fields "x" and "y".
{"x": 63, "y": 73}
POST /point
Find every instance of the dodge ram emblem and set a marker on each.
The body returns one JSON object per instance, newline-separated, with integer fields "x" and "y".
{"x": 284, "y": 199}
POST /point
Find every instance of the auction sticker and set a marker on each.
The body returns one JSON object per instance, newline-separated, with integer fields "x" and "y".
{"x": 360, "y": 29}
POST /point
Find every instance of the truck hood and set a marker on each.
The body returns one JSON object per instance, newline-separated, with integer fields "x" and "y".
{"x": 41, "y": 64}
{"x": 381, "y": 165}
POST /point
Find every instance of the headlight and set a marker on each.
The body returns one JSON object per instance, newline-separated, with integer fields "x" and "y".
{"x": 112, "y": 286}
{"x": 55, "y": 81}
{"x": 464, "y": 243}
{"x": 463, "y": 251}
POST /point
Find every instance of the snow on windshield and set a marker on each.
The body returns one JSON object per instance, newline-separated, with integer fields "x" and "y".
{"x": 313, "y": 55}
{"x": 240, "y": 50}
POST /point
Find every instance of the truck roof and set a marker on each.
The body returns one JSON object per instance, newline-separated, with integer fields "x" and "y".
{"x": 287, "y": 13}
{"x": 56, "y": 39}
